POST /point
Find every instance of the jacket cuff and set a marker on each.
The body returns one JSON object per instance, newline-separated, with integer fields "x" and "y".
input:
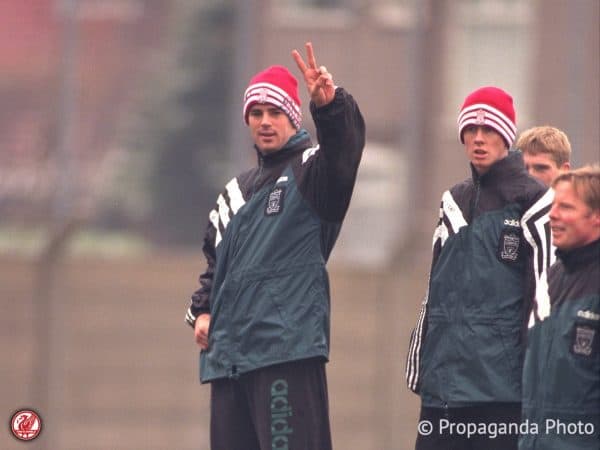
{"x": 190, "y": 318}
{"x": 329, "y": 108}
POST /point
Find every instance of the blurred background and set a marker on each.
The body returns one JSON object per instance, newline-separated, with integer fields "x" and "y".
{"x": 120, "y": 121}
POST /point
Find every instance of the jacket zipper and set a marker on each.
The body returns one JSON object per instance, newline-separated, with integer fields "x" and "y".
{"x": 475, "y": 201}
{"x": 258, "y": 175}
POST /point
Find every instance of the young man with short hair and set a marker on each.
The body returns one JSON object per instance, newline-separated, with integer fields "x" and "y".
{"x": 465, "y": 354}
{"x": 546, "y": 152}
{"x": 261, "y": 316}
{"x": 561, "y": 375}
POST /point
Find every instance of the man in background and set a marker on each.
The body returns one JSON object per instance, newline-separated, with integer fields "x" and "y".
{"x": 546, "y": 152}
{"x": 561, "y": 375}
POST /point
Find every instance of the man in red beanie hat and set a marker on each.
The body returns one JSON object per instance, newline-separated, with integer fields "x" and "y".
{"x": 261, "y": 315}
{"x": 490, "y": 249}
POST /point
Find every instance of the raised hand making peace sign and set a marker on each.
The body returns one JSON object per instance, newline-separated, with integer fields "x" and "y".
{"x": 318, "y": 81}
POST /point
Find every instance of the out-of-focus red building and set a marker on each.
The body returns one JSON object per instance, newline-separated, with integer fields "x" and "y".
{"x": 112, "y": 40}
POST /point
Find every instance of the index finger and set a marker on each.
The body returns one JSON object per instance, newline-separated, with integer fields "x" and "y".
{"x": 310, "y": 55}
{"x": 299, "y": 61}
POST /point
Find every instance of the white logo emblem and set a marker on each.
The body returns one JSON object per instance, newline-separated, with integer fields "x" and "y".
{"x": 510, "y": 248}
{"x": 512, "y": 223}
{"x": 590, "y": 315}
{"x": 275, "y": 202}
{"x": 263, "y": 95}
{"x": 480, "y": 119}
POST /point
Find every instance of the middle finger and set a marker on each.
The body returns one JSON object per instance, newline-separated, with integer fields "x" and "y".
{"x": 312, "y": 62}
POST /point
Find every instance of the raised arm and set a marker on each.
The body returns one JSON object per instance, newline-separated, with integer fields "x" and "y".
{"x": 327, "y": 172}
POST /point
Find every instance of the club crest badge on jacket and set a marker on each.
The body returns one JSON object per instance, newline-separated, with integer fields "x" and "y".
{"x": 583, "y": 340}
{"x": 275, "y": 201}
{"x": 510, "y": 241}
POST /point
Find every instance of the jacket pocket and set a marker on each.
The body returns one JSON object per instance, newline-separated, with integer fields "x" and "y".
{"x": 489, "y": 364}
{"x": 258, "y": 323}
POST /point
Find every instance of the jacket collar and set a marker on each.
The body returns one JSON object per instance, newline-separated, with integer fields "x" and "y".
{"x": 579, "y": 257}
{"x": 298, "y": 142}
{"x": 504, "y": 168}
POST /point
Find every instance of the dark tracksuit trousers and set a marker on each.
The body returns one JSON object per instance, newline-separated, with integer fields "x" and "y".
{"x": 281, "y": 407}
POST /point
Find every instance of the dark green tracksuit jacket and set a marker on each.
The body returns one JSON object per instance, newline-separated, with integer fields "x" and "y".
{"x": 267, "y": 242}
{"x": 561, "y": 376}
{"x": 489, "y": 250}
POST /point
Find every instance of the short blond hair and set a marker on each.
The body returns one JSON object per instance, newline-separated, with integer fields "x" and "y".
{"x": 547, "y": 140}
{"x": 586, "y": 184}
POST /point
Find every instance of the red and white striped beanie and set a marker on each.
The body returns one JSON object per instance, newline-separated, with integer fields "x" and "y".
{"x": 489, "y": 106}
{"x": 276, "y": 86}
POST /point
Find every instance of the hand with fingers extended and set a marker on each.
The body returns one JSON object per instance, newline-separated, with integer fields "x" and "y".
{"x": 318, "y": 81}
